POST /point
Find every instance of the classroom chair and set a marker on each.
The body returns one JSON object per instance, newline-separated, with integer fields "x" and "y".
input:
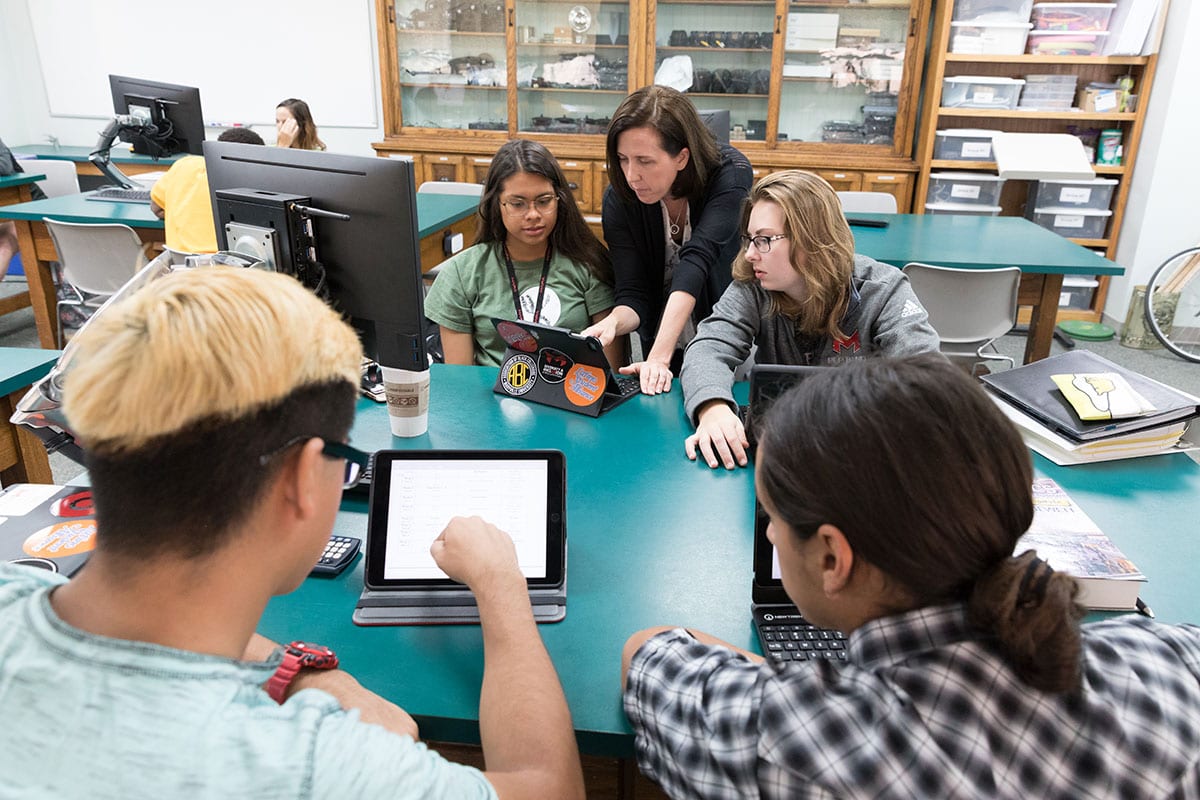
{"x": 61, "y": 177}
{"x": 94, "y": 262}
{"x": 867, "y": 202}
{"x": 969, "y": 309}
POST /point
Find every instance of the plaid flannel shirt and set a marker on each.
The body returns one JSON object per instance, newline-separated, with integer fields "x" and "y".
{"x": 924, "y": 707}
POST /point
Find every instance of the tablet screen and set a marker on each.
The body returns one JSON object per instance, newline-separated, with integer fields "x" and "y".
{"x": 416, "y": 493}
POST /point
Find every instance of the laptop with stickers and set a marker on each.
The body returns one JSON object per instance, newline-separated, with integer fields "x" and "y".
{"x": 414, "y": 493}
{"x": 556, "y": 367}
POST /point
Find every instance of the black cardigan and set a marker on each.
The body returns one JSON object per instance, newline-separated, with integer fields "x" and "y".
{"x": 636, "y": 240}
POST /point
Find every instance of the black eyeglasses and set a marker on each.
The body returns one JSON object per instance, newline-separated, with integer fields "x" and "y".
{"x": 761, "y": 243}
{"x": 356, "y": 460}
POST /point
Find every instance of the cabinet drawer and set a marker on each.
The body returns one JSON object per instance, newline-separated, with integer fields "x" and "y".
{"x": 899, "y": 184}
{"x": 477, "y": 169}
{"x": 600, "y": 182}
{"x": 443, "y": 168}
{"x": 843, "y": 180}
{"x": 579, "y": 181}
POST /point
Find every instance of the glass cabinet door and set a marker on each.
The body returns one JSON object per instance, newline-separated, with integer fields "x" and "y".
{"x": 451, "y": 64}
{"x": 843, "y": 72}
{"x": 725, "y": 50}
{"x": 572, "y": 64}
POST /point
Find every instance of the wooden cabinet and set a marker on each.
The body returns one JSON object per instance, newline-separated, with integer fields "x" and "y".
{"x": 940, "y": 114}
{"x": 830, "y": 86}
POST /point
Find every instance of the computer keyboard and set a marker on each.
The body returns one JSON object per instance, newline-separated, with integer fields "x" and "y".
{"x": 801, "y": 642}
{"x": 116, "y": 194}
{"x": 363, "y": 487}
{"x": 625, "y": 385}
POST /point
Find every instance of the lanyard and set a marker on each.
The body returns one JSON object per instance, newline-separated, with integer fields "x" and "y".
{"x": 512, "y": 282}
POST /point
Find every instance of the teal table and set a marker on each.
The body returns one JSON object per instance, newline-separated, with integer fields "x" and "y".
{"x": 970, "y": 242}
{"x": 130, "y": 163}
{"x": 22, "y": 455}
{"x": 652, "y": 539}
{"x": 435, "y": 214}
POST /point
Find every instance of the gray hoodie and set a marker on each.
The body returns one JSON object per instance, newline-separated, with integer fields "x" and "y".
{"x": 884, "y": 318}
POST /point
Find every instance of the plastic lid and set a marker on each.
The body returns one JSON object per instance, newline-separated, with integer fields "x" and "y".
{"x": 1092, "y": 182}
{"x": 984, "y": 79}
{"x": 969, "y": 176}
{"x": 1086, "y": 212}
{"x": 972, "y": 132}
{"x": 1077, "y": 34}
{"x": 1088, "y": 331}
{"x": 1074, "y": 5}
{"x": 983, "y": 23}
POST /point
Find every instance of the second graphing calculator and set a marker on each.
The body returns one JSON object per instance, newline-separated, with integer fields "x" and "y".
{"x": 338, "y": 554}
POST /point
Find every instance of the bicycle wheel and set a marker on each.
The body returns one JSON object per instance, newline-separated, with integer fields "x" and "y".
{"x": 1172, "y": 307}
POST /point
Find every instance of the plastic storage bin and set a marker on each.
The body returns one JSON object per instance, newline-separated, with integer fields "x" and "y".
{"x": 1074, "y": 223}
{"x": 1048, "y": 92}
{"x": 989, "y": 38}
{"x": 1065, "y": 43}
{"x": 1077, "y": 292}
{"x": 963, "y": 144}
{"x": 980, "y": 91}
{"x": 964, "y": 188}
{"x": 1072, "y": 16}
{"x": 992, "y": 10}
{"x": 1094, "y": 194}
{"x": 962, "y": 208}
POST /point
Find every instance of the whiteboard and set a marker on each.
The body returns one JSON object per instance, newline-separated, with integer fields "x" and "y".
{"x": 244, "y": 55}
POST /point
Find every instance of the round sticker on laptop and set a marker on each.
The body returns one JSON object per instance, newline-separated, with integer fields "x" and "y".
{"x": 517, "y": 337}
{"x": 79, "y": 504}
{"x": 518, "y": 374}
{"x": 585, "y": 385}
{"x": 62, "y": 539}
{"x": 553, "y": 365}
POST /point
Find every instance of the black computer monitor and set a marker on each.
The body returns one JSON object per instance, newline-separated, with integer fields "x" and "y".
{"x": 717, "y": 121}
{"x": 372, "y": 261}
{"x": 174, "y": 110}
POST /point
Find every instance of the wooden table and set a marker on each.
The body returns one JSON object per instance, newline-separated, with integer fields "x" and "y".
{"x": 971, "y": 242}
{"x": 22, "y": 455}
{"x": 16, "y": 189}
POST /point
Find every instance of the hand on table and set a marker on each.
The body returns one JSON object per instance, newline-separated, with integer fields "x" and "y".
{"x": 654, "y": 374}
{"x": 720, "y": 435}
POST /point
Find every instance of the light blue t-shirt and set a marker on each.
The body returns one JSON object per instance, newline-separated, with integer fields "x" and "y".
{"x": 89, "y": 716}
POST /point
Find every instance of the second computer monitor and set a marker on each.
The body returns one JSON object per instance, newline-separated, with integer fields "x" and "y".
{"x": 173, "y": 110}
{"x": 717, "y": 121}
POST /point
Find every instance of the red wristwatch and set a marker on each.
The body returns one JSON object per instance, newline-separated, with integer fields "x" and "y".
{"x": 297, "y": 656}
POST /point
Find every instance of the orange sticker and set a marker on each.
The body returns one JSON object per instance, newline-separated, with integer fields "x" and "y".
{"x": 62, "y": 539}
{"x": 584, "y": 384}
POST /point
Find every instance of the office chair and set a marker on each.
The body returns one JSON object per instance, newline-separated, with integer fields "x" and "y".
{"x": 61, "y": 177}
{"x": 447, "y": 187}
{"x": 94, "y": 262}
{"x": 969, "y": 309}
{"x": 867, "y": 202}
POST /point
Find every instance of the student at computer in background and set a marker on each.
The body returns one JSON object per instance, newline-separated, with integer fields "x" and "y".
{"x": 217, "y": 474}
{"x": 670, "y": 223}
{"x": 896, "y": 492}
{"x": 181, "y": 198}
{"x": 534, "y": 258}
{"x": 803, "y": 296}
{"x": 294, "y": 126}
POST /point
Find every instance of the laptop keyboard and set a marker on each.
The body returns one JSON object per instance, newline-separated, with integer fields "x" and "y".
{"x": 801, "y": 641}
{"x": 118, "y": 195}
{"x": 626, "y": 385}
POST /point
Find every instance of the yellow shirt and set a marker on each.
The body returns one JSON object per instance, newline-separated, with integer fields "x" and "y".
{"x": 183, "y": 195}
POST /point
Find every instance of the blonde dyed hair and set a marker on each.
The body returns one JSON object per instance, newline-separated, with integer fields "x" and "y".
{"x": 209, "y": 343}
{"x": 822, "y": 249}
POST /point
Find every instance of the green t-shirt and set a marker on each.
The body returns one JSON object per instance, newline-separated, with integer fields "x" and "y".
{"x": 472, "y": 287}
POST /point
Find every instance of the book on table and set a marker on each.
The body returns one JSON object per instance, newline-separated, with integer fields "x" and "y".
{"x": 1032, "y": 389}
{"x": 1067, "y": 538}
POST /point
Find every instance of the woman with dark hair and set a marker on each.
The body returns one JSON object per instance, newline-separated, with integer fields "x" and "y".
{"x": 800, "y": 295}
{"x": 670, "y": 222}
{"x": 896, "y": 492}
{"x": 534, "y": 258}
{"x": 294, "y": 126}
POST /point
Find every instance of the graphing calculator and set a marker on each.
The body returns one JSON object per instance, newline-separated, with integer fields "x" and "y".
{"x": 338, "y": 554}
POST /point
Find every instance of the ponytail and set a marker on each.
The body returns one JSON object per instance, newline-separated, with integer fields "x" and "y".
{"x": 1031, "y": 610}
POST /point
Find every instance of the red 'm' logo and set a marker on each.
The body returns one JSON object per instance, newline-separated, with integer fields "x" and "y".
{"x": 851, "y": 342}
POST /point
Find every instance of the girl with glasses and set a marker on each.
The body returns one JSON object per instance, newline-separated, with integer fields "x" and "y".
{"x": 800, "y": 295}
{"x": 534, "y": 259}
{"x": 670, "y": 220}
